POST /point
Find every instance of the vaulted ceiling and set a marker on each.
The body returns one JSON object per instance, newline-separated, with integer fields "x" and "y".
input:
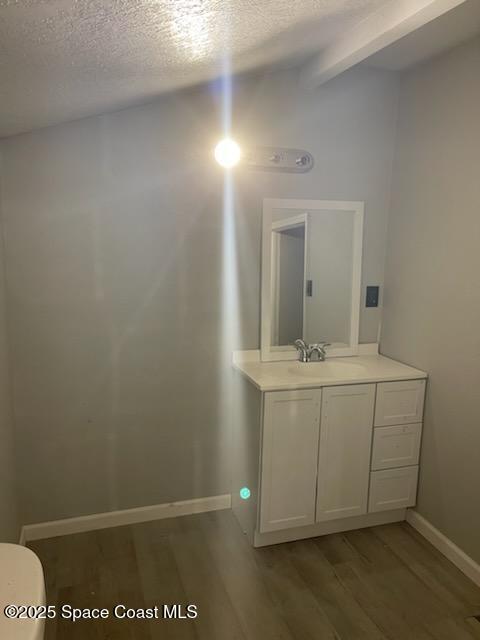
{"x": 66, "y": 59}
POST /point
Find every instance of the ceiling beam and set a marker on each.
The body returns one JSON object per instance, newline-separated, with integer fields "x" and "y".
{"x": 396, "y": 19}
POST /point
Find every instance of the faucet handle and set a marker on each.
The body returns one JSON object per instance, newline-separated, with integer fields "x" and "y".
{"x": 300, "y": 343}
{"x": 302, "y": 348}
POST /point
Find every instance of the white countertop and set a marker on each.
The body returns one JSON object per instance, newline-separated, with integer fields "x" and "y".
{"x": 277, "y": 376}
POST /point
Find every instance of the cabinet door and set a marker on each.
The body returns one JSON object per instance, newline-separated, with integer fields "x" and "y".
{"x": 289, "y": 459}
{"x": 399, "y": 402}
{"x": 344, "y": 452}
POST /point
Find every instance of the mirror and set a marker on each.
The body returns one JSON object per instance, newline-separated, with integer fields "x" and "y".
{"x": 311, "y": 269}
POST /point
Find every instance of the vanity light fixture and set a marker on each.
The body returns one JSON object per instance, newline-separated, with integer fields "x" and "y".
{"x": 227, "y": 153}
{"x": 279, "y": 159}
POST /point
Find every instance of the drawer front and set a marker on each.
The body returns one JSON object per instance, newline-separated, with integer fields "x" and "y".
{"x": 393, "y": 489}
{"x": 399, "y": 402}
{"x": 397, "y": 446}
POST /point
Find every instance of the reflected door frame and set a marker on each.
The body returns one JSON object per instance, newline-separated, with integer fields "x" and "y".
{"x": 282, "y": 225}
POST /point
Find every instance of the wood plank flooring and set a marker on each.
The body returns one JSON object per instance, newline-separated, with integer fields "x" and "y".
{"x": 381, "y": 583}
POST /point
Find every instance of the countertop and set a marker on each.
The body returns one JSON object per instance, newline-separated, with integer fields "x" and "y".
{"x": 277, "y": 376}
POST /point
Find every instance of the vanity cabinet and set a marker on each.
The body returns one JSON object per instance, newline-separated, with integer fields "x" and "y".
{"x": 327, "y": 458}
{"x": 323, "y": 458}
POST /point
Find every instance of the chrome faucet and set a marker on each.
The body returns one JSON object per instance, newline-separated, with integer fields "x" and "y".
{"x": 305, "y": 351}
{"x": 302, "y": 348}
{"x": 319, "y": 349}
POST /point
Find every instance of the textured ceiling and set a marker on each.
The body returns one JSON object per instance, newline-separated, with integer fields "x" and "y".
{"x": 61, "y": 60}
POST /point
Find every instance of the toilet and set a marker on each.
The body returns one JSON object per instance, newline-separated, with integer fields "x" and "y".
{"x": 21, "y": 583}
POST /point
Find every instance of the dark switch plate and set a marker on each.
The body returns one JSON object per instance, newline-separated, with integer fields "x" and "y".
{"x": 372, "y": 296}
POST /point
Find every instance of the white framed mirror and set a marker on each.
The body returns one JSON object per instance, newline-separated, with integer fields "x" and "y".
{"x": 311, "y": 275}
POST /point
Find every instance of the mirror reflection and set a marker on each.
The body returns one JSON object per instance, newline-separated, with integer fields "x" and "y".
{"x": 312, "y": 276}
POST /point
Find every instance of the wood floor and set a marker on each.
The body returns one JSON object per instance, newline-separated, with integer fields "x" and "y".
{"x": 372, "y": 584}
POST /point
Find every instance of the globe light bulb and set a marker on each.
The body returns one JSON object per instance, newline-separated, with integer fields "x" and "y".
{"x": 227, "y": 153}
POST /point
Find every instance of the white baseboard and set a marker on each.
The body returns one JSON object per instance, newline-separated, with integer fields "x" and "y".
{"x": 118, "y": 518}
{"x": 467, "y": 565}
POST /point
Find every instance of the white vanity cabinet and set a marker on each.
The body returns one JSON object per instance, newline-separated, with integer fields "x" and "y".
{"x": 327, "y": 458}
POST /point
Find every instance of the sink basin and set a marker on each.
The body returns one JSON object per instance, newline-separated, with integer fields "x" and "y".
{"x": 327, "y": 369}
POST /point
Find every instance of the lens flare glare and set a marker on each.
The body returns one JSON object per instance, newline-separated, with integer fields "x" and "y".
{"x": 227, "y": 153}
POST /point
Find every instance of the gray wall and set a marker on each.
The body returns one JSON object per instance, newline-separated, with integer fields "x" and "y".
{"x": 9, "y": 524}
{"x": 432, "y": 291}
{"x": 115, "y": 263}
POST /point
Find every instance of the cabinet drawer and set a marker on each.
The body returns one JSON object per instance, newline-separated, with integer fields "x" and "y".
{"x": 397, "y": 446}
{"x": 393, "y": 489}
{"x": 399, "y": 402}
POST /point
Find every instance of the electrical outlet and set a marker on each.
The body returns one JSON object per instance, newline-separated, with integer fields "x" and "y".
{"x": 371, "y": 299}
